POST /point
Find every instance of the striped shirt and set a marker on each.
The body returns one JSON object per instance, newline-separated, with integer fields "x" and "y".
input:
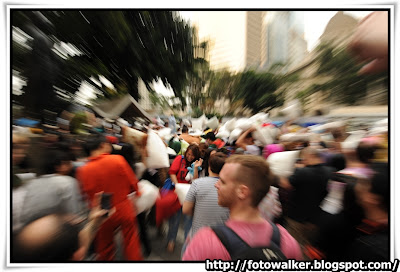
{"x": 207, "y": 212}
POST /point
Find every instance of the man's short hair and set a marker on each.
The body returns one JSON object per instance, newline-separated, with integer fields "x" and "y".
{"x": 217, "y": 161}
{"x": 185, "y": 129}
{"x": 94, "y": 143}
{"x": 255, "y": 173}
{"x": 315, "y": 151}
{"x": 58, "y": 245}
{"x": 365, "y": 152}
{"x": 210, "y": 135}
{"x": 52, "y": 159}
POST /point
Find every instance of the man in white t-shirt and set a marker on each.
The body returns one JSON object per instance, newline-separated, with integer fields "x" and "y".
{"x": 202, "y": 199}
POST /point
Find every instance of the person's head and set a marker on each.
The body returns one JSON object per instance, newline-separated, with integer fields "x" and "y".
{"x": 126, "y": 150}
{"x": 337, "y": 161}
{"x": 365, "y": 152}
{"x": 249, "y": 138}
{"x": 312, "y": 155}
{"x": 203, "y": 148}
{"x": 216, "y": 162}
{"x": 337, "y": 134}
{"x": 206, "y": 158}
{"x": 52, "y": 238}
{"x": 243, "y": 179}
{"x": 210, "y": 137}
{"x": 55, "y": 161}
{"x": 192, "y": 153}
{"x": 185, "y": 129}
{"x": 374, "y": 193}
{"x": 97, "y": 143}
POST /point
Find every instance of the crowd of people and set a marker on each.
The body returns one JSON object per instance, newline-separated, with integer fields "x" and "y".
{"x": 334, "y": 204}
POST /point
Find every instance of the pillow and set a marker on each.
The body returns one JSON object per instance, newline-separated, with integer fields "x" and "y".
{"x": 244, "y": 123}
{"x": 230, "y": 125}
{"x": 157, "y": 156}
{"x": 282, "y": 163}
{"x": 263, "y": 135}
{"x": 235, "y": 135}
{"x": 181, "y": 189}
{"x": 148, "y": 196}
{"x": 213, "y": 123}
{"x": 135, "y": 137}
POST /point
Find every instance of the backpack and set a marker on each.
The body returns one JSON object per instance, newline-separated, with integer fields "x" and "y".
{"x": 240, "y": 250}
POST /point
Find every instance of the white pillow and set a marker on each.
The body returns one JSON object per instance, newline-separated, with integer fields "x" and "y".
{"x": 222, "y": 134}
{"x": 263, "y": 135}
{"x": 197, "y": 124}
{"x": 181, "y": 189}
{"x": 244, "y": 123}
{"x": 235, "y": 134}
{"x": 170, "y": 151}
{"x": 165, "y": 133}
{"x": 282, "y": 163}
{"x": 213, "y": 123}
{"x": 230, "y": 125}
{"x": 157, "y": 151}
{"x": 148, "y": 196}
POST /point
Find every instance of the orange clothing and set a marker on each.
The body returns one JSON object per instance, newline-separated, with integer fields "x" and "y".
{"x": 190, "y": 139}
{"x": 112, "y": 174}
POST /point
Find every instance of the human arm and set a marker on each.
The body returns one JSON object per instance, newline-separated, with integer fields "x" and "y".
{"x": 174, "y": 169}
{"x": 284, "y": 183}
{"x": 198, "y": 163}
{"x": 241, "y": 141}
{"x": 188, "y": 208}
{"x": 190, "y": 200}
{"x": 370, "y": 42}
{"x": 95, "y": 219}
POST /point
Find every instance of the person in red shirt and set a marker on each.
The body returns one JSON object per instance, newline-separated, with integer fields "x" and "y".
{"x": 177, "y": 173}
{"x": 111, "y": 174}
{"x": 212, "y": 141}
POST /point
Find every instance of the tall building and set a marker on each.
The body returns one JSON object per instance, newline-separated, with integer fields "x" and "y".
{"x": 283, "y": 39}
{"x": 234, "y": 38}
{"x": 253, "y": 39}
{"x": 225, "y": 33}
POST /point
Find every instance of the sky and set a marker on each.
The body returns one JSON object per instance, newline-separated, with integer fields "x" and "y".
{"x": 314, "y": 23}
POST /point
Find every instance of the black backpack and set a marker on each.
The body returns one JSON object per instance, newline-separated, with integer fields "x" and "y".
{"x": 240, "y": 250}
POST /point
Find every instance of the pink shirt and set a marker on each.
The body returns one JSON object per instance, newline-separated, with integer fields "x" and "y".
{"x": 206, "y": 245}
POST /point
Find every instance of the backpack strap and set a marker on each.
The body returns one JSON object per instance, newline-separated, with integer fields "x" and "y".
{"x": 234, "y": 244}
{"x": 231, "y": 241}
{"x": 276, "y": 235}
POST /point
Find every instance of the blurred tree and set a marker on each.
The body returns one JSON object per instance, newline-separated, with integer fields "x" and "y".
{"x": 221, "y": 84}
{"x": 119, "y": 45}
{"x": 200, "y": 76}
{"x": 258, "y": 91}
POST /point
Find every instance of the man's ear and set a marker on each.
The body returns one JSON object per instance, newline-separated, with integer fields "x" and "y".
{"x": 242, "y": 192}
{"x": 79, "y": 255}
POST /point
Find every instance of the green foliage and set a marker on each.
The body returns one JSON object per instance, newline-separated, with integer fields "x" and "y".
{"x": 119, "y": 45}
{"x": 258, "y": 91}
{"x": 197, "y": 112}
{"x": 345, "y": 85}
{"x": 211, "y": 115}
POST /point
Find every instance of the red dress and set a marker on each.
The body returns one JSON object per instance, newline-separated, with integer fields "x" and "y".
{"x": 112, "y": 174}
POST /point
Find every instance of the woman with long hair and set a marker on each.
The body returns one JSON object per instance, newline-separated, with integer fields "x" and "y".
{"x": 177, "y": 173}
